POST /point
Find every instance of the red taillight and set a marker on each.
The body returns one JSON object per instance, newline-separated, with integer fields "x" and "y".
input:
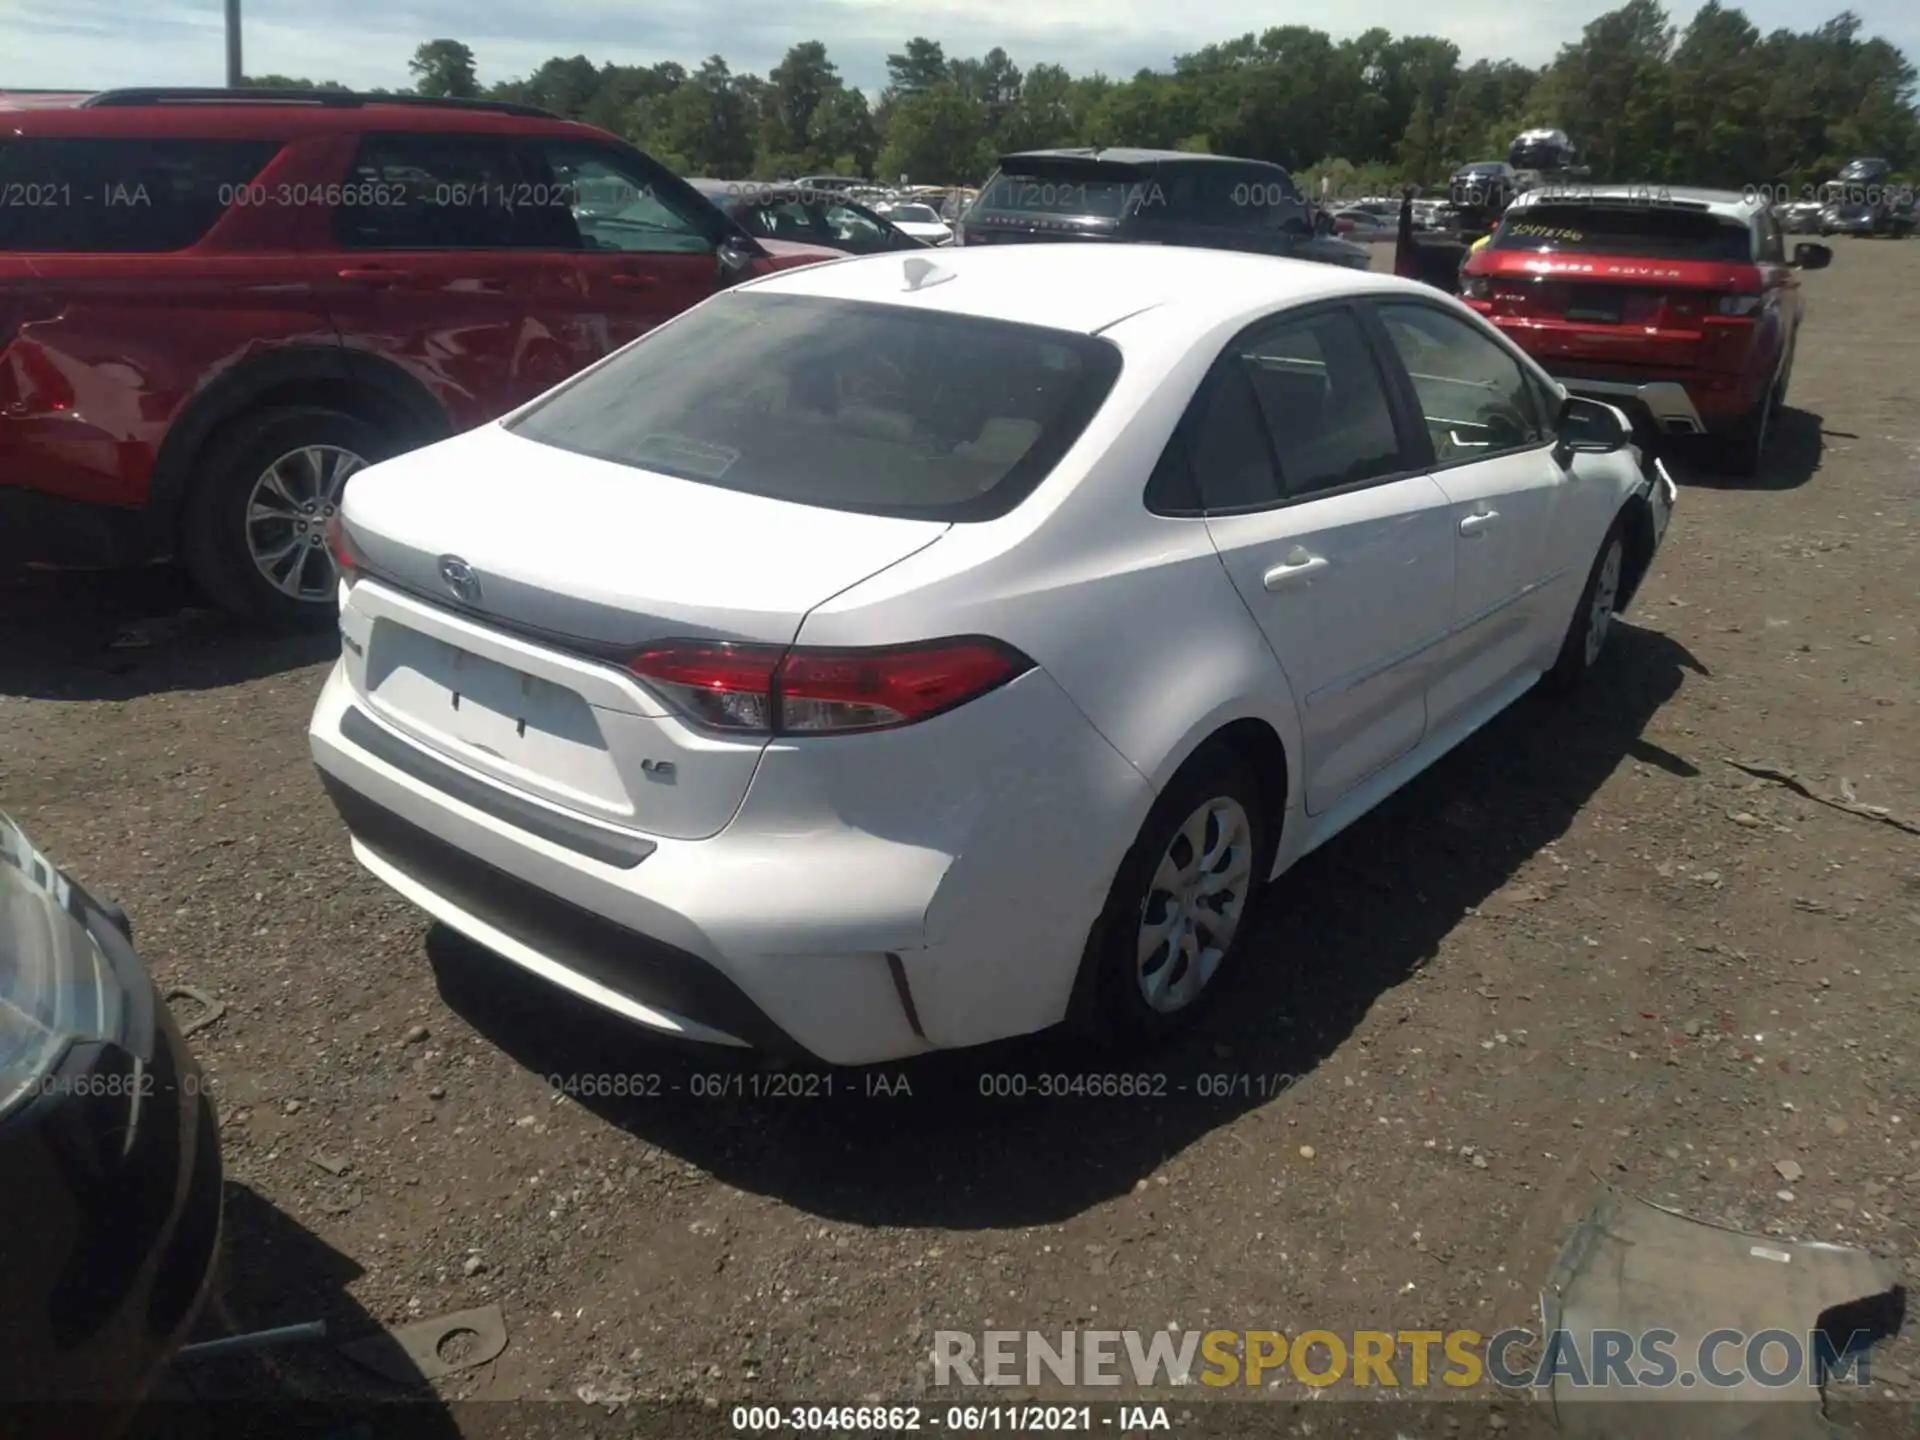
{"x": 767, "y": 690}
{"x": 342, "y": 552}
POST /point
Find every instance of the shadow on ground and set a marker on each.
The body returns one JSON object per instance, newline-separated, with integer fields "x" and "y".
{"x": 1793, "y": 457}
{"x": 274, "y": 1272}
{"x": 116, "y": 635}
{"x": 1346, "y": 926}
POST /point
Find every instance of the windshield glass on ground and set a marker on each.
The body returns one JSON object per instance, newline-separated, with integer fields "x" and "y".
{"x": 1656, "y": 231}
{"x": 846, "y": 405}
{"x": 1064, "y": 192}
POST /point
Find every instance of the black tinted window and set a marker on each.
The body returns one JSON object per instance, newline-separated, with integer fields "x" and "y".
{"x": 1227, "y": 445}
{"x": 436, "y": 192}
{"x": 1324, "y": 403}
{"x": 876, "y": 409}
{"x": 1657, "y": 231}
{"x": 1065, "y": 192}
{"x": 121, "y": 196}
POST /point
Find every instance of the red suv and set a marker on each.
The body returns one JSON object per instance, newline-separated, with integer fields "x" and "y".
{"x": 216, "y": 305}
{"x": 1679, "y": 306}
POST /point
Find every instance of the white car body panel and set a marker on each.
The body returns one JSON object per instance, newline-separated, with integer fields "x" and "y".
{"x": 884, "y": 893}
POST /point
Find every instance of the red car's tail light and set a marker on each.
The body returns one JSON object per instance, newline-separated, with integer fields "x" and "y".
{"x": 1737, "y": 305}
{"x": 768, "y": 690}
{"x": 341, "y": 550}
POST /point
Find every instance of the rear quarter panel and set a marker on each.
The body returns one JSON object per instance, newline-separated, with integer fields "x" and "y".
{"x": 1132, "y": 614}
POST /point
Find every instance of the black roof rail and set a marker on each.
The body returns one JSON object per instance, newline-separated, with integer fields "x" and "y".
{"x": 330, "y": 99}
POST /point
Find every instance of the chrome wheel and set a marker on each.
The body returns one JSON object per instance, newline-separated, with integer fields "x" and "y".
{"x": 287, "y": 514}
{"x": 1194, "y": 904}
{"x": 1606, "y": 591}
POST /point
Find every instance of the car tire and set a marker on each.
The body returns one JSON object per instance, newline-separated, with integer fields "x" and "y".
{"x": 1216, "y": 800}
{"x": 1592, "y": 623}
{"x": 227, "y": 547}
{"x": 1743, "y": 448}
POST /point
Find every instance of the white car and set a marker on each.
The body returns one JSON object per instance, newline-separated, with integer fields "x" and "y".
{"x": 905, "y": 652}
{"x": 922, "y": 222}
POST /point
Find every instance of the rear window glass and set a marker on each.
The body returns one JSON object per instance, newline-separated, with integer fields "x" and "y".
{"x": 846, "y": 405}
{"x": 1657, "y": 231}
{"x": 1065, "y": 193}
{"x": 121, "y": 196}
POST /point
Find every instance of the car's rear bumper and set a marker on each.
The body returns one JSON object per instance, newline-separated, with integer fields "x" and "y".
{"x": 928, "y": 909}
{"x": 1665, "y": 405}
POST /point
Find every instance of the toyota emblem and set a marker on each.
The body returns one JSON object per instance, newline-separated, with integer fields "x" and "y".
{"x": 461, "y": 579}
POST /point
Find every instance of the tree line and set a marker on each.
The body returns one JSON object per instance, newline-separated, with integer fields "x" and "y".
{"x": 1716, "y": 103}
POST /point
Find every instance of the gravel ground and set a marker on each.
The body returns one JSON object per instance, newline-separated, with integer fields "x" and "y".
{"x": 1585, "y": 946}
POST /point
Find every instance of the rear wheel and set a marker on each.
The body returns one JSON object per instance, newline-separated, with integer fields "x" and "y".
{"x": 255, "y": 538}
{"x": 1179, "y": 910}
{"x": 1744, "y": 447}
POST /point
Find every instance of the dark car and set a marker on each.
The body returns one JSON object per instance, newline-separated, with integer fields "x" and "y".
{"x": 1479, "y": 193}
{"x": 1548, "y": 151}
{"x": 110, "y": 1172}
{"x": 1866, "y": 170}
{"x": 1165, "y": 197}
{"x": 797, "y": 212}
{"x": 216, "y": 305}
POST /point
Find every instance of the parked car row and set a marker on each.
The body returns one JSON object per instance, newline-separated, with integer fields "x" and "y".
{"x": 844, "y": 660}
{"x": 370, "y": 274}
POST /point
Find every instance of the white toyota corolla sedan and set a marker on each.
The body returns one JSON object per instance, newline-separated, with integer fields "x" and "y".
{"x": 907, "y": 652}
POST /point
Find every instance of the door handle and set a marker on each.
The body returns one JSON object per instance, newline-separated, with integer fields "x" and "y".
{"x": 1297, "y": 568}
{"x": 1454, "y": 436}
{"x": 373, "y": 275}
{"x": 633, "y": 282}
{"x": 1477, "y": 522}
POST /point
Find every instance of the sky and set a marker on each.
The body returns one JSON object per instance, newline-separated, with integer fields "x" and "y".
{"x": 95, "y": 44}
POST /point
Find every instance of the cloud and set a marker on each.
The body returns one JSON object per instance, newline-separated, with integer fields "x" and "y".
{"x": 99, "y": 43}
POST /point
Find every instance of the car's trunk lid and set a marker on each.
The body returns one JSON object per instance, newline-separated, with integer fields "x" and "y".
{"x": 507, "y": 581}
{"x": 1618, "y": 308}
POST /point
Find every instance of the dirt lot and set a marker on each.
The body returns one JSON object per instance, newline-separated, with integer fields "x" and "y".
{"x": 1584, "y": 946}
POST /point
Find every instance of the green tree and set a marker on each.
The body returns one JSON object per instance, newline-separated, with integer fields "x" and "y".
{"x": 444, "y": 69}
{"x": 936, "y": 136}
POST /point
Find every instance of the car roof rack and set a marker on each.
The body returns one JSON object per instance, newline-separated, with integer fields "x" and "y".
{"x": 331, "y": 99}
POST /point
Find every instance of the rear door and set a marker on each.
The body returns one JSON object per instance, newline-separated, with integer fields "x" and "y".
{"x": 433, "y": 270}
{"x": 1493, "y": 453}
{"x": 645, "y": 252}
{"x": 1340, "y": 546}
{"x": 118, "y": 299}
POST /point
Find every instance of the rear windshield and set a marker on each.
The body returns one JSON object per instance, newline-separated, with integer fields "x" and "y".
{"x": 122, "y": 195}
{"x": 1661, "y": 232}
{"x": 876, "y": 409}
{"x": 1068, "y": 193}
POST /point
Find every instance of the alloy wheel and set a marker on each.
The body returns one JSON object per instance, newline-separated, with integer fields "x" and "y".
{"x": 287, "y": 514}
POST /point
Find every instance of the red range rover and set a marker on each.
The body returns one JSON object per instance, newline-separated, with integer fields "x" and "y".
{"x": 1679, "y": 306}
{"x": 216, "y": 305}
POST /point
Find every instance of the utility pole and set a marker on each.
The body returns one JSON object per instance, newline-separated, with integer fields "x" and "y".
{"x": 234, "y": 74}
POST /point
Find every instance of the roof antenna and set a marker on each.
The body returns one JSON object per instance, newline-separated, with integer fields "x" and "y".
{"x": 922, "y": 274}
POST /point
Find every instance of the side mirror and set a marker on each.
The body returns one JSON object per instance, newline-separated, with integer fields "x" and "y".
{"x": 1589, "y": 427}
{"x": 736, "y": 257}
{"x": 1808, "y": 256}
